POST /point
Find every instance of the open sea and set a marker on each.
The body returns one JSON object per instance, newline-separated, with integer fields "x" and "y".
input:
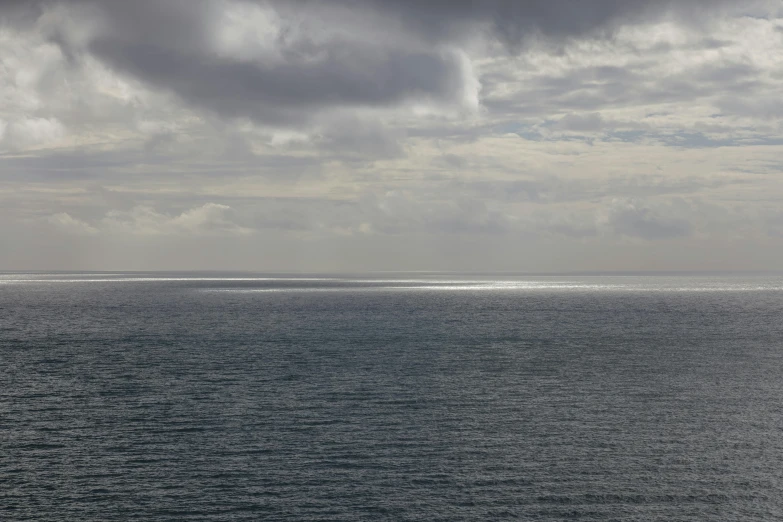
{"x": 211, "y": 396}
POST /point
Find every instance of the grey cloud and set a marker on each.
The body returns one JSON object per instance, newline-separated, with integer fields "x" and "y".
{"x": 573, "y": 229}
{"x": 515, "y": 21}
{"x": 634, "y": 219}
{"x": 510, "y": 191}
{"x": 774, "y": 225}
{"x": 594, "y": 122}
{"x": 557, "y": 189}
{"x": 594, "y": 88}
{"x": 289, "y": 92}
{"x": 170, "y": 45}
{"x": 356, "y": 139}
{"x": 570, "y": 224}
{"x": 451, "y": 162}
{"x": 20, "y": 11}
{"x": 163, "y": 155}
{"x": 591, "y": 122}
{"x": 767, "y": 106}
{"x": 399, "y": 212}
{"x": 65, "y": 165}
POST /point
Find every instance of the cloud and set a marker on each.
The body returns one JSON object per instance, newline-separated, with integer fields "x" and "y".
{"x": 27, "y": 133}
{"x": 282, "y": 69}
{"x": 516, "y": 22}
{"x": 145, "y": 69}
{"x": 591, "y": 127}
{"x": 281, "y": 63}
{"x": 632, "y": 218}
{"x": 208, "y": 219}
{"x": 70, "y": 225}
{"x": 590, "y": 122}
{"x": 353, "y": 138}
{"x": 340, "y": 76}
{"x": 400, "y": 212}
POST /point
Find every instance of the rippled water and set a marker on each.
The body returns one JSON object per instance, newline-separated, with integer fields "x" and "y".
{"x": 426, "y": 397}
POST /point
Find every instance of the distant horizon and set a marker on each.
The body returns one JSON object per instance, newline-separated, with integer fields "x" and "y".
{"x": 422, "y": 272}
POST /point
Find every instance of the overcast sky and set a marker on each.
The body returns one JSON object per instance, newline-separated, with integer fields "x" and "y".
{"x": 354, "y": 135}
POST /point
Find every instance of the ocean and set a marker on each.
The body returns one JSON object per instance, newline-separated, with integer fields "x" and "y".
{"x": 212, "y": 396}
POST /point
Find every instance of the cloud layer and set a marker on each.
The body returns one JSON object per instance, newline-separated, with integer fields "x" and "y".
{"x": 384, "y": 133}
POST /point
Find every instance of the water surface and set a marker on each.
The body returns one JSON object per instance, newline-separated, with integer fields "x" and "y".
{"x": 392, "y": 396}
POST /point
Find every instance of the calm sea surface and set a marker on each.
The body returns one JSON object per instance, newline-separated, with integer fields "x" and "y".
{"x": 390, "y": 397}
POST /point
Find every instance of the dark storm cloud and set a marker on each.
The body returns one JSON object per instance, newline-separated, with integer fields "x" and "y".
{"x": 514, "y": 21}
{"x": 170, "y": 45}
{"x": 264, "y": 91}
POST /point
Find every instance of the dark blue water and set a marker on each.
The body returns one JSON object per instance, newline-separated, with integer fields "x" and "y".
{"x": 170, "y": 397}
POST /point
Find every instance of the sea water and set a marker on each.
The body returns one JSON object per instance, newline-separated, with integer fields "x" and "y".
{"x": 154, "y": 396}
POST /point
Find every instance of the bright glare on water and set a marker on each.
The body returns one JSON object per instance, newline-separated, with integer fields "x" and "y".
{"x": 390, "y": 396}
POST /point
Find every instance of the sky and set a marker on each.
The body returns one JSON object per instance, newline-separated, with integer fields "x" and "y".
{"x": 348, "y": 135}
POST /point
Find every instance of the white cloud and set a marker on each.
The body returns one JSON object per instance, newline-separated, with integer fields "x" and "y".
{"x": 68, "y": 224}
{"x": 208, "y": 219}
{"x": 28, "y": 133}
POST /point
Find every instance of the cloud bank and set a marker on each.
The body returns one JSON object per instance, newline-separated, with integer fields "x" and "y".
{"x": 383, "y": 134}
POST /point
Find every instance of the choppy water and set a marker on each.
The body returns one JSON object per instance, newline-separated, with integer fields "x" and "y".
{"x": 235, "y": 397}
